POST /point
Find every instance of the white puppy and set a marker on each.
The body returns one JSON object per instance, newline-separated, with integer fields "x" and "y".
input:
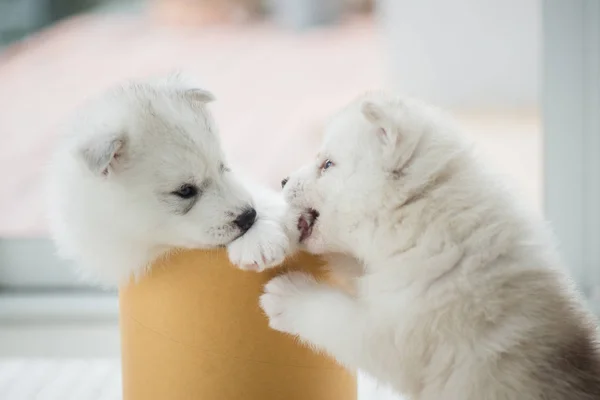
{"x": 460, "y": 294}
{"x": 143, "y": 172}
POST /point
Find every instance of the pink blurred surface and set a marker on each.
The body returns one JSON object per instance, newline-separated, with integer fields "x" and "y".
{"x": 274, "y": 90}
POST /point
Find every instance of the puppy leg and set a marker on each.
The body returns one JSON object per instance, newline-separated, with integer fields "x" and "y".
{"x": 268, "y": 242}
{"x": 320, "y": 315}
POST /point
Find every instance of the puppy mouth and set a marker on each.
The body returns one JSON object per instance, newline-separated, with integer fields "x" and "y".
{"x": 239, "y": 235}
{"x": 306, "y": 222}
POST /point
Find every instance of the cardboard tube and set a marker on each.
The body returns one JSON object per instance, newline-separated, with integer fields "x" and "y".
{"x": 192, "y": 330}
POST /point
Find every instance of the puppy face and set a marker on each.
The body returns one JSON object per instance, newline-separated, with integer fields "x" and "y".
{"x": 340, "y": 195}
{"x": 150, "y": 156}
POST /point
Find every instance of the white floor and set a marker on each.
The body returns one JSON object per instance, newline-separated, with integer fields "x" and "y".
{"x": 67, "y": 348}
{"x": 46, "y": 379}
{"x": 91, "y": 379}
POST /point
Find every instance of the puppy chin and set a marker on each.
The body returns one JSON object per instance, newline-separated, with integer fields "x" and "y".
{"x": 314, "y": 244}
{"x": 290, "y": 223}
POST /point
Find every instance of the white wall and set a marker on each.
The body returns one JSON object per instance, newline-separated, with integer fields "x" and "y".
{"x": 465, "y": 53}
{"x": 571, "y": 105}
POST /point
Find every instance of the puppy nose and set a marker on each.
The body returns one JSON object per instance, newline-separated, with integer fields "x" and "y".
{"x": 246, "y": 219}
{"x": 283, "y": 182}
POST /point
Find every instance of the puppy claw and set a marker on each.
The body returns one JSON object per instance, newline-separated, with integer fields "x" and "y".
{"x": 251, "y": 267}
{"x": 283, "y": 299}
{"x": 263, "y": 247}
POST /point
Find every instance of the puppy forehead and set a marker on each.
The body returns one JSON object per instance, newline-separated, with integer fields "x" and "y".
{"x": 345, "y": 133}
{"x": 176, "y": 124}
{"x": 171, "y": 169}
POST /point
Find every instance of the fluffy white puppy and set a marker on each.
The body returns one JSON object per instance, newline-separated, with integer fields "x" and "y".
{"x": 142, "y": 172}
{"x": 459, "y": 294}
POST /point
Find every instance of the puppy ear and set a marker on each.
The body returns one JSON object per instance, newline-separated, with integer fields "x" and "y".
{"x": 200, "y": 95}
{"x": 398, "y": 138}
{"x": 104, "y": 154}
{"x": 373, "y": 111}
{"x": 379, "y": 115}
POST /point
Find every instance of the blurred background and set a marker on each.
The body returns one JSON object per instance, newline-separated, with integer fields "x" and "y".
{"x": 521, "y": 76}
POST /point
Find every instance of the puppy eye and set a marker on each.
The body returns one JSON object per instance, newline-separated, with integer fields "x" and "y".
{"x": 223, "y": 168}
{"x": 327, "y": 164}
{"x": 186, "y": 191}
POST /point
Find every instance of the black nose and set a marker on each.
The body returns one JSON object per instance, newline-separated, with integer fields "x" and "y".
{"x": 283, "y": 182}
{"x": 246, "y": 219}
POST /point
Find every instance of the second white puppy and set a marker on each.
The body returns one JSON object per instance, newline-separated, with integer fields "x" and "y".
{"x": 143, "y": 172}
{"x": 460, "y": 295}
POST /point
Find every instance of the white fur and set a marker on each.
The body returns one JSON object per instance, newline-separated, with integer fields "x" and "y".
{"x": 459, "y": 293}
{"x": 110, "y": 185}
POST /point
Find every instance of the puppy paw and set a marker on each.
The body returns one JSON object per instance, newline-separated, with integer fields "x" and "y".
{"x": 285, "y": 300}
{"x": 266, "y": 245}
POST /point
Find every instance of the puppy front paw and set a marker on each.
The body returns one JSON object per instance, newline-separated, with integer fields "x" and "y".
{"x": 285, "y": 299}
{"x": 264, "y": 246}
